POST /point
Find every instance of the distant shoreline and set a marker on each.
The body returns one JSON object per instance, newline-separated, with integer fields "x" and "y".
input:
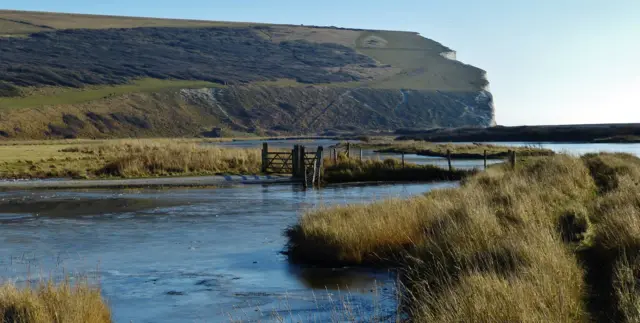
{"x": 591, "y": 134}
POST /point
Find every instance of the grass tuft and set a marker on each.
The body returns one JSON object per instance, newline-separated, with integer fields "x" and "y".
{"x": 53, "y": 303}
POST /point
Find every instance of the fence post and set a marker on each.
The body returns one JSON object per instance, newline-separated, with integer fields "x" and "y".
{"x": 449, "y": 160}
{"x": 513, "y": 159}
{"x": 360, "y": 153}
{"x": 265, "y": 156}
{"x": 303, "y": 166}
{"x": 402, "y": 160}
{"x": 294, "y": 160}
{"x": 485, "y": 159}
{"x": 319, "y": 162}
{"x": 348, "y": 150}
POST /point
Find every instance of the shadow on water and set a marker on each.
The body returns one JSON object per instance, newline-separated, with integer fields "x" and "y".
{"x": 74, "y": 207}
{"x": 339, "y": 278}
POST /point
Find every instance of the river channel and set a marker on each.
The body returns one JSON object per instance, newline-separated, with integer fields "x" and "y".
{"x": 188, "y": 255}
{"x": 199, "y": 255}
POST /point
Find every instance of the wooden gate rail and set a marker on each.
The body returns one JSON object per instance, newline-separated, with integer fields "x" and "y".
{"x": 303, "y": 165}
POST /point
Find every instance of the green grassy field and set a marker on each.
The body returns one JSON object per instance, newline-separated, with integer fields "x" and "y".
{"x": 57, "y": 96}
{"x": 417, "y": 59}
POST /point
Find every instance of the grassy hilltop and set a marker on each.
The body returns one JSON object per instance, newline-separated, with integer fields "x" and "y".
{"x": 52, "y": 65}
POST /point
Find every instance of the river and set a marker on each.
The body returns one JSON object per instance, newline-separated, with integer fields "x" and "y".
{"x": 188, "y": 255}
{"x": 200, "y": 255}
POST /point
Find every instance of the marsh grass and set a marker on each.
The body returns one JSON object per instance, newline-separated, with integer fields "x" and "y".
{"x": 48, "y": 302}
{"x": 460, "y": 151}
{"x": 555, "y": 240}
{"x": 143, "y": 159}
{"x": 370, "y": 170}
{"x": 126, "y": 158}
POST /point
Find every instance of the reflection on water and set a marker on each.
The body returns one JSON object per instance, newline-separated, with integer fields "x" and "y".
{"x": 339, "y": 278}
{"x": 186, "y": 255}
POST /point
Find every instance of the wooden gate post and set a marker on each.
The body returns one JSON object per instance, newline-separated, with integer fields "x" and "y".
{"x": 294, "y": 161}
{"x": 265, "y": 156}
{"x": 449, "y": 160}
{"x": 319, "y": 167}
{"x": 485, "y": 159}
{"x": 302, "y": 170}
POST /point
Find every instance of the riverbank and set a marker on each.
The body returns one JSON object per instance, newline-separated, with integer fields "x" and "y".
{"x": 124, "y": 159}
{"x": 456, "y": 151}
{"x": 594, "y": 133}
{"x": 558, "y": 231}
{"x": 349, "y": 170}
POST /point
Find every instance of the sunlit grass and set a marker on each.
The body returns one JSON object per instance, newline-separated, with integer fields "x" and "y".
{"x": 555, "y": 240}
{"x": 48, "y": 302}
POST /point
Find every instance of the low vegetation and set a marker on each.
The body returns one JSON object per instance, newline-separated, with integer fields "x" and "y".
{"x": 460, "y": 151}
{"x": 353, "y": 170}
{"x": 126, "y": 158}
{"x": 36, "y": 97}
{"x": 597, "y": 133}
{"x": 555, "y": 240}
{"x": 219, "y": 55}
{"x": 48, "y": 302}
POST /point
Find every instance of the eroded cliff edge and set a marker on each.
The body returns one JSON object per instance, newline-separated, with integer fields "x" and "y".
{"x": 152, "y": 77}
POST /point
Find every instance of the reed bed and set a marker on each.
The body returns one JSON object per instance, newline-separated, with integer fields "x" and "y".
{"x": 48, "y": 302}
{"x": 556, "y": 240}
{"x": 353, "y": 170}
{"x": 128, "y": 158}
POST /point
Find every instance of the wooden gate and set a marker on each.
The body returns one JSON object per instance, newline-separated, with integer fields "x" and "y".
{"x": 277, "y": 162}
{"x": 303, "y": 165}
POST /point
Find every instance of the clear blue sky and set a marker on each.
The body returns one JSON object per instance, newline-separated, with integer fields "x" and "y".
{"x": 548, "y": 61}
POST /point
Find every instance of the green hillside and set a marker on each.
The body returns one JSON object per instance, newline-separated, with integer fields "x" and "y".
{"x": 56, "y": 61}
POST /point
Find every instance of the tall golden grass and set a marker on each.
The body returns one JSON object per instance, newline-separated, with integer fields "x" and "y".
{"x": 549, "y": 241}
{"x": 149, "y": 158}
{"x": 346, "y": 169}
{"x": 127, "y": 158}
{"x": 53, "y": 303}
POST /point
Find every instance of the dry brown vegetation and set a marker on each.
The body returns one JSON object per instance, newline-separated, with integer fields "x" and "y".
{"x": 556, "y": 240}
{"x": 53, "y": 303}
{"x": 372, "y": 170}
{"x": 127, "y": 158}
{"x": 465, "y": 151}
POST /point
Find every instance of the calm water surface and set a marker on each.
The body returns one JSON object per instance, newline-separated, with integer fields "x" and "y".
{"x": 189, "y": 255}
{"x": 202, "y": 255}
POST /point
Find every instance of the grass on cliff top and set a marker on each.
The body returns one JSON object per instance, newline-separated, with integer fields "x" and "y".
{"x": 555, "y": 240}
{"x": 125, "y": 158}
{"x": 464, "y": 151}
{"x": 41, "y": 21}
{"x": 48, "y": 302}
{"x": 35, "y": 97}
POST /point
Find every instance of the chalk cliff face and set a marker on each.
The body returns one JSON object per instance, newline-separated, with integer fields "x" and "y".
{"x": 315, "y": 109}
{"x": 150, "y": 77}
